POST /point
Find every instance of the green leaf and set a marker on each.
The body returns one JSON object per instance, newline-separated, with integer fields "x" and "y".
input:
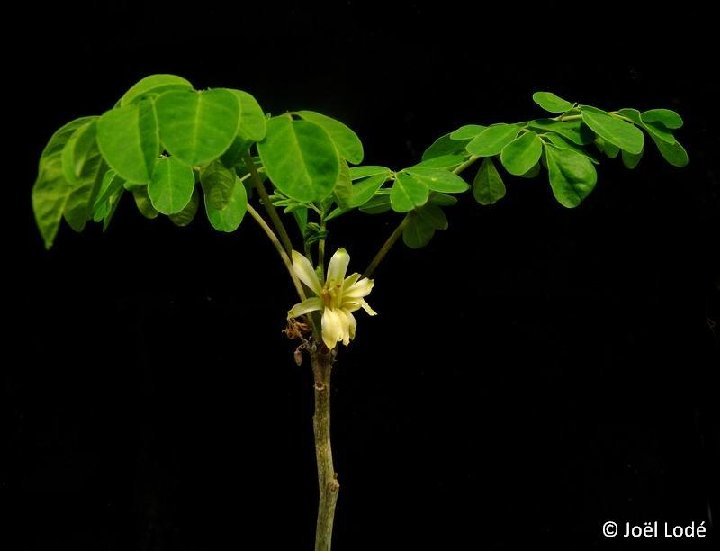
{"x": 551, "y": 103}
{"x": 488, "y": 187}
{"x": 364, "y": 190}
{"x": 438, "y": 179}
{"x": 301, "y": 219}
{"x": 299, "y": 158}
{"x": 467, "y": 132}
{"x": 659, "y": 132}
{"x": 142, "y": 201}
{"x": 442, "y": 199}
{"x": 58, "y": 140}
{"x": 561, "y": 143}
{"x": 666, "y": 117}
{"x": 152, "y": 86}
{"x": 433, "y": 216}
{"x": 655, "y": 129}
{"x": 630, "y": 160}
{"x": 623, "y": 134}
{"x": 335, "y": 213}
{"x": 422, "y": 224}
{"x": 521, "y": 154}
{"x": 49, "y": 194}
{"x": 108, "y": 196}
{"x": 187, "y": 214}
{"x": 171, "y": 185}
{"x": 446, "y": 161}
{"x": 128, "y": 139}
{"x": 491, "y": 140}
{"x": 534, "y": 171}
{"x": 343, "y": 190}
{"x": 197, "y": 127}
{"x": 610, "y": 149}
{"x": 253, "y": 123}
{"x": 674, "y": 153}
{"x": 379, "y": 203}
{"x": 234, "y": 155}
{"x": 51, "y": 188}
{"x": 572, "y": 175}
{"x": 83, "y": 167}
{"x": 357, "y": 172}
{"x": 408, "y": 192}
{"x": 348, "y": 144}
{"x": 228, "y": 219}
{"x": 444, "y": 145}
{"x": 575, "y": 131}
{"x": 217, "y": 182}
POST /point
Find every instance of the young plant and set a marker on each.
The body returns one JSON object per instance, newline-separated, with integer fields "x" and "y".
{"x": 172, "y": 147}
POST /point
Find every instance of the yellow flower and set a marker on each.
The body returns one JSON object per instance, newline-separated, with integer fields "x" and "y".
{"x": 338, "y": 297}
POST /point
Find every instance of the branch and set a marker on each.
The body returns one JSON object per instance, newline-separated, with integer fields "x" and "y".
{"x": 279, "y": 248}
{"x": 269, "y": 207}
{"x": 389, "y": 242}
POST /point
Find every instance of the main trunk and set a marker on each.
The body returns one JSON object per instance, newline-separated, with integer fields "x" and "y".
{"x": 322, "y": 360}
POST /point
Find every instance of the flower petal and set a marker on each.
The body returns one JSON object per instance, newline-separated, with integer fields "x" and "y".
{"x": 359, "y": 289}
{"x": 332, "y": 327}
{"x": 338, "y": 267}
{"x": 305, "y": 272}
{"x": 350, "y": 280}
{"x": 367, "y": 308}
{"x": 352, "y": 325}
{"x": 312, "y": 304}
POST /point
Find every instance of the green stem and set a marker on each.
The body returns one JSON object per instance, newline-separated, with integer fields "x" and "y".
{"x": 322, "y": 361}
{"x": 568, "y": 118}
{"x": 321, "y": 253}
{"x": 279, "y": 248}
{"x": 269, "y": 207}
{"x": 389, "y": 242}
{"x": 466, "y": 164}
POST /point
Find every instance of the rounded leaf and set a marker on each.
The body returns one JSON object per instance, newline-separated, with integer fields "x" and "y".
{"x": 299, "y": 158}
{"x": 551, "y": 103}
{"x": 154, "y": 85}
{"x": 348, "y": 144}
{"x": 218, "y": 183}
{"x": 491, "y": 140}
{"x": 408, "y": 192}
{"x": 252, "y": 125}
{"x": 171, "y": 185}
{"x": 197, "y": 127}
{"x": 673, "y": 153}
{"x": 572, "y": 175}
{"x": 521, "y": 154}
{"x": 467, "y": 132}
{"x": 187, "y": 214}
{"x": 488, "y": 187}
{"x": 128, "y": 139}
{"x": 666, "y": 117}
{"x": 616, "y": 131}
{"x": 228, "y": 218}
{"x": 83, "y": 167}
{"x": 444, "y": 145}
{"x": 438, "y": 179}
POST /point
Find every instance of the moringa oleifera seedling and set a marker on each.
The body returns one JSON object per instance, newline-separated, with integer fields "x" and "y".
{"x": 173, "y": 147}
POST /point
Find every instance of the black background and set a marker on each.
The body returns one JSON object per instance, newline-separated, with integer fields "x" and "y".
{"x": 532, "y": 373}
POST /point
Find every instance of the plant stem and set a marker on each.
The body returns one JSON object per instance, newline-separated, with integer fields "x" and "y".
{"x": 269, "y": 207}
{"x": 466, "y": 164}
{"x": 322, "y": 361}
{"x": 389, "y": 242}
{"x": 568, "y": 118}
{"x": 279, "y": 248}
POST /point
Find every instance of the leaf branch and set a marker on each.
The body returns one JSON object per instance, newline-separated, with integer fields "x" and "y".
{"x": 269, "y": 207}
